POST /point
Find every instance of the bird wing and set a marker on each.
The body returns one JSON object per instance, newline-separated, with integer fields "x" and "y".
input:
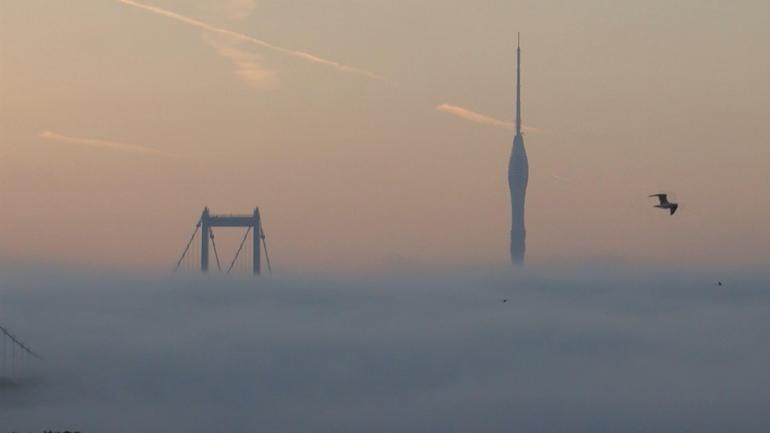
{"x": 674, "y": 207}
{"x": 662, "y": 197}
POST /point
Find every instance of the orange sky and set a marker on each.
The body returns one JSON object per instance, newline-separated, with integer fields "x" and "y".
{"x": 118, "y": 123}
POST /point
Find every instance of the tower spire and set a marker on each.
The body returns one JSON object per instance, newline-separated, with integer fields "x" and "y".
{"x": 518, "y": 84}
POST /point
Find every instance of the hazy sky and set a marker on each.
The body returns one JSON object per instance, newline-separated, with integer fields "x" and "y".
{"x": 118, "y": 123}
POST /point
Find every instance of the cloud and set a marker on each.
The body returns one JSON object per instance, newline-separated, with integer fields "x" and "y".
{"x": 473, "y": 116}
{"x": 248, "y": 66}
{"x": 481, "y": 119}
{"x": 245, "y": 38}
{"x": 583, "y": 350}
{"x": 93, "y": 142}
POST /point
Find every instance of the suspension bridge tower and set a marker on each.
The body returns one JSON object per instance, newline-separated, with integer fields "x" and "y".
{"x": 206, "y": 224}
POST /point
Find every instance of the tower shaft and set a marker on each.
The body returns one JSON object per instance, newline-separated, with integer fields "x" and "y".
{"x": 518, "y": 178}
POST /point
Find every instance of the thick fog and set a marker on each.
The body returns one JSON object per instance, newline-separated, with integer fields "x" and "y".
{"x": 584, "y": 349}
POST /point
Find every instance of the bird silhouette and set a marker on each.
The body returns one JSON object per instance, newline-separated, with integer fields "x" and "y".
{"x": 664, "y": 203}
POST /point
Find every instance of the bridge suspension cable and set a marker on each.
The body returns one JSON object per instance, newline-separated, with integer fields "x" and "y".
{"x": 214, "y": 244}
{"x": 240, "y": 247}
{"x": 13, "y": 370}
{"x": 264, "y": 245}
{"x": 184, "y": 253}
{"x": 19, "y": 343}
{"x": 247, "y": 258}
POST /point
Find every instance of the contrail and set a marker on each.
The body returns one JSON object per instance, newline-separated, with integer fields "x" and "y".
{"x": 240, "y": 36}
{"x": 479, "y": 118}
{"x": 447, "y": 108}
{"x": 48, "y": 135}
{"x": 473, "y": 116}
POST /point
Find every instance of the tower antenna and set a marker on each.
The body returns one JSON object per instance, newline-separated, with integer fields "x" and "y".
{"x": 518, "y": 84}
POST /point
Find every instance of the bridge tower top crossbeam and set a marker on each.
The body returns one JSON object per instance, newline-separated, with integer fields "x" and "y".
{"x": 253, "y": 221}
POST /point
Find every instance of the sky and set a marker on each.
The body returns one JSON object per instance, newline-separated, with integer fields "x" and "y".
{"x": 585, "y": 350}
{"x": 374, "y": 136}
{"x": 373, "y": 133}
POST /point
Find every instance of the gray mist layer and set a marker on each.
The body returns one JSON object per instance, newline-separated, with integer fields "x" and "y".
{"x": 588, "y": 350}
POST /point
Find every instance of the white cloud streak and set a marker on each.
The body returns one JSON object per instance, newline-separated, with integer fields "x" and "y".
{"x": 250, "y": 69}
{"x": 94, "y": 142}
{"x": 473, "y": 116}
{"x": 479, "y": 118}
{"x": 248, "y": 66}
{"x": 246, "y": 38}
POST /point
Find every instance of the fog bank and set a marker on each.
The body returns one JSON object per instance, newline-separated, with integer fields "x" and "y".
{"x": 585, "y": 349}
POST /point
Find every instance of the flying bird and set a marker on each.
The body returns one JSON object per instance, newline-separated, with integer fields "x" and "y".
{"x": 664, "y": 203}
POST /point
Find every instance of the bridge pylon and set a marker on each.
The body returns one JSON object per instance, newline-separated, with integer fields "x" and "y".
{"x": 206, "y": 223}
{"x": 253, "y": 221}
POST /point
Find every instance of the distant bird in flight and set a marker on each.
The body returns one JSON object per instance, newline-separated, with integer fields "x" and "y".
{"x": 664, "y": 203}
